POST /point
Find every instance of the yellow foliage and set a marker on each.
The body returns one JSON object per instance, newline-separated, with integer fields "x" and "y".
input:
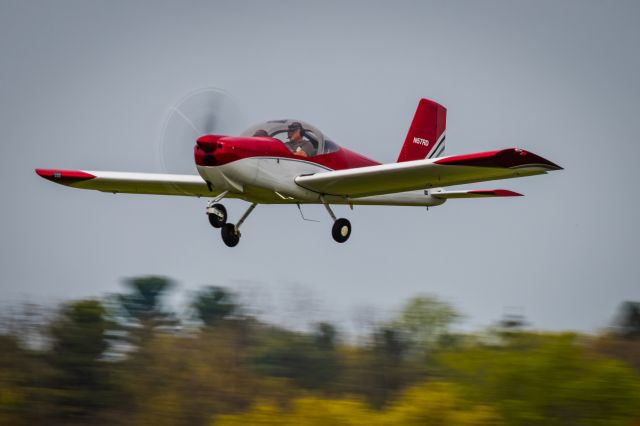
{"x": 438, "y": 404}
{"x": 431, "y": 404}
{"x": 304, "y": 412}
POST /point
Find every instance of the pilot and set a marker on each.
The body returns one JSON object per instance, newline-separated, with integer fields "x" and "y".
{"x": 261, "y": 132}
{"x": 296, "y": 144}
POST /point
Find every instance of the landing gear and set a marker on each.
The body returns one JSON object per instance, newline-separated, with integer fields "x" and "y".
{"x": 341, "y": 230}
{"x": 231, "y": 233}
{"x": 217, "y": 214}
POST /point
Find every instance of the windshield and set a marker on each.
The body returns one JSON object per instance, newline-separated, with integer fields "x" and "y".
{"x": 295, "y": 134}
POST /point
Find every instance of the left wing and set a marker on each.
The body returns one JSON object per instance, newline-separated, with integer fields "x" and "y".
{"x": 131, "y": 183}
{"x": 429, "y": 173}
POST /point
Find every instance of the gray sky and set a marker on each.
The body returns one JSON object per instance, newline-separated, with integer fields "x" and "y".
{"x": 88, "y": 84}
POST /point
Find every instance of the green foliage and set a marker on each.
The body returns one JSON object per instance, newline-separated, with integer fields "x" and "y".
{"x": 237, "y": 370}
{"x": 628, "y": 322}
{"x": 143, "y": 309}
{"x": 311, "y": 362}
{"x": 423, "y": 321}
{"x": 185, "y": 380}
{"x": 548, "y": 380}
{"x": 16, "y": 367}
{"x": 325, "y": 336}
{"x": 386, "y": 369}
{"x": 619, "y": 347}
{"x": 78, "y": 384}
{"x": 214, "y": 304}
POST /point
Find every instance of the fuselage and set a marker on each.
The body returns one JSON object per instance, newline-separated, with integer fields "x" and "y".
{"x": 263, "y": 170}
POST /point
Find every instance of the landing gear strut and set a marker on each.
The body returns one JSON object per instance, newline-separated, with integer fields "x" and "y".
{"x": 216, "y": 212}
{"x": 218, "y": 215}
{"x": 341, "y": 230}
{"x": 231, "y": 233}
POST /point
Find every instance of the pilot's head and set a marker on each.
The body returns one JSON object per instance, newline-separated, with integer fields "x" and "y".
{"x": 295, "y": 131}
{"x": 260, "y": 132}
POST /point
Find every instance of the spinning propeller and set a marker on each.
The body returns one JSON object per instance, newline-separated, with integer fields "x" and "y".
{"x": 203, "y": 111}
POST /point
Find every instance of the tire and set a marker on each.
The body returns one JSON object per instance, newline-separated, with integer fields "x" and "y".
{"x": 230, "y": 236}
{"x": 341, "y": 230}
{"x": 215, "y": 220}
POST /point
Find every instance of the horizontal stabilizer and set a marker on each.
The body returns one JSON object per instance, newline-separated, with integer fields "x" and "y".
{"x": 131, "y": 183}
{"x": 476, "y": 193}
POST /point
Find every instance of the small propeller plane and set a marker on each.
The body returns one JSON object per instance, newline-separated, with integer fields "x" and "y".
{"x": 293, "y": 162}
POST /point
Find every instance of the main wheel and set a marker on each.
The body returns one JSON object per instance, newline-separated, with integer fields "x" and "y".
{"x": 341, "y": 230}
{"x": 219, "y": 219}
{"x": 230, "y": 235}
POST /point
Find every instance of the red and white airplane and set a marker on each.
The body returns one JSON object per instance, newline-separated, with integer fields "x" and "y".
{"x": 293, "y": 162}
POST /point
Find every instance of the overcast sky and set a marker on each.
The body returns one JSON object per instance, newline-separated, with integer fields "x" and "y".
{"x": 88, "y": 85}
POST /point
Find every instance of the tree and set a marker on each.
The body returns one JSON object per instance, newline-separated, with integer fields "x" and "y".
{"x": 142, "y": 307}
{"x": 386, "y": 368}
{"x": 629, "y": 320}
{"x": 214, "y": 304}
{"x": 548, "y": 380}
{"x": 78, "y": 385}
{"x": 423, "y": 321}
{"x": 310, "y": 361}
{"x": 18, "y": 368}
{"x": 186, "y": 379}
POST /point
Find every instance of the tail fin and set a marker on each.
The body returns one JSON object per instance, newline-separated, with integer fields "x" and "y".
{"x": 427, "y": 132}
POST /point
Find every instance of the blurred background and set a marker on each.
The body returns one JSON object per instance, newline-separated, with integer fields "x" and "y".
{"x": 129, "y": 359}
{"x": 124, "y": 309}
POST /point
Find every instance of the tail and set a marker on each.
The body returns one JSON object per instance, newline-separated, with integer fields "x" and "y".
{"x": 427, "y": 132}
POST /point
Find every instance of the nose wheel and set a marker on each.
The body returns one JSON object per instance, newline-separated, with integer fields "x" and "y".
{"x": 229, "y": 232}
{"x": 217, "y": 214}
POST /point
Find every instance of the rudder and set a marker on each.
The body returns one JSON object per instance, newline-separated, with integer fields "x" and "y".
{"x": 426, "y": 135}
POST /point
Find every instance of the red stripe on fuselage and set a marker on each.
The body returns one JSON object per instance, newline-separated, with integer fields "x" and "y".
{"x": 229, "y": 149}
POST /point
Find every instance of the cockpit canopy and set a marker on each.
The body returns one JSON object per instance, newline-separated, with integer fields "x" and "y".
{"x": 278, "y": 129}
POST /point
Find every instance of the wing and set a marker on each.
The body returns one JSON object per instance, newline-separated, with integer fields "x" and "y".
{"x": 429, "y": 173}
{"x": 131, "y": 183}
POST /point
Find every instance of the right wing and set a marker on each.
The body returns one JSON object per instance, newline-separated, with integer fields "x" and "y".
{"x": 428, "y": 173}
{"x": 131, "y": 183}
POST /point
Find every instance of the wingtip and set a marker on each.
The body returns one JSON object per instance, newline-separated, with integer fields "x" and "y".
{"x": 64, "y": 176}
{"x": 505, "y": 158}
{"x": 497, "y": 193}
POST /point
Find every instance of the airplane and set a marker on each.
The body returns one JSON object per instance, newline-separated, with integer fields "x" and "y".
{"x": 292, "y": 162}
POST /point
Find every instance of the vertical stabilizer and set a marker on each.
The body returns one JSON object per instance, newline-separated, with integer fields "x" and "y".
{"x": 426, "y": 135}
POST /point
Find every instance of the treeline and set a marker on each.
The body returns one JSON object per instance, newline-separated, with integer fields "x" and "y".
{"x": 128, "y": 360}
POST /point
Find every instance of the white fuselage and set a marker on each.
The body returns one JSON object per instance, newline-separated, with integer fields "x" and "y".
{"x": 272, "y": 180}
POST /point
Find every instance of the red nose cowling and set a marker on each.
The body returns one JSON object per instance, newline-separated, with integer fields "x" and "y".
{"x": 205, "y": 146}
{"x": 208, "y": 143}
